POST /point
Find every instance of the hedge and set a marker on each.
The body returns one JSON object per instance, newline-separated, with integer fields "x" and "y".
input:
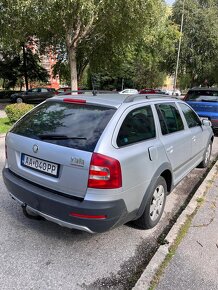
{"x": 16, "y": 111}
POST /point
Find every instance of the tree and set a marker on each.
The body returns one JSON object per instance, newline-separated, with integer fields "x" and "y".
{"x": 198, "y": 58}
{"x": 92, "y": 29}
{"x": 142, "y": 60}
{"x": 17, "y": 27}
{"x": 12, "y": 70}
{"x": 117, "y": 36}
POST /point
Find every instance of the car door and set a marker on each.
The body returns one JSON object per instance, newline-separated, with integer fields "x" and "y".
{"x": 139, "y": 151}
{"x": 45, "y": 93}
{"x": 195, "y": 127}
{"x": 33, "y": 94}
{"x": 175, "y": 138}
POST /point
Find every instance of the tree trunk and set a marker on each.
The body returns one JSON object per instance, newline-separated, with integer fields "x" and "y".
{"x": 73, "y": 69}
{"x": 25, "y": 67}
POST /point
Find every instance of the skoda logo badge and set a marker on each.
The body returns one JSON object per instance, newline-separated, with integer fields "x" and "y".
{"x": 35, "y": 148}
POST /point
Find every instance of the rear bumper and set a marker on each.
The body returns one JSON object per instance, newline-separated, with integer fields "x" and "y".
{"x": 57, "y": 208}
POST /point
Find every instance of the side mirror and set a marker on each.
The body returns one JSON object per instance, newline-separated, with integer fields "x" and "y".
{"x": 206, "y": 122}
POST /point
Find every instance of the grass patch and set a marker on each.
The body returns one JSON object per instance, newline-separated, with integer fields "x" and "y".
{"x": 200, "y": 199}
{"x": 5, "y": 125}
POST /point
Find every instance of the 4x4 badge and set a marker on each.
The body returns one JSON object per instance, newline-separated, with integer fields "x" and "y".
{"x": 35, "y": 148}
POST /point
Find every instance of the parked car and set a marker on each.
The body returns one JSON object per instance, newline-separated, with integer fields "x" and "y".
{"x": 64, "y": 90}
{"x": 129, "y": 91}
{"x": 93, "y": 163}
{"x": 67, "y": 91}
{"x": 33, "y": 95}
{"x": 205, "y": 102}
{"x": 152, "y": 91}
{"x": 176, "y": 92}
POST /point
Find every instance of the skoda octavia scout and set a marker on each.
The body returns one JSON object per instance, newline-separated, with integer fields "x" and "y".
{"x": 95, "y": 162}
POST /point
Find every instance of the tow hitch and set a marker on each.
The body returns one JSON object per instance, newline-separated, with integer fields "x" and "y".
{"x": 30, "y": 216}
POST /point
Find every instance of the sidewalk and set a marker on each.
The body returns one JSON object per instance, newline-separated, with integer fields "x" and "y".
{"x": 195, "y": 263}
{"x": 2, "y": 112}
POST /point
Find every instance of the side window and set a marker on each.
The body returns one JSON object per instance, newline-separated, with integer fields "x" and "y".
{"x": 34, "y": 90}
{"x": 170, "y": 119}
{"x": 44, "y": 90}
{"x": 137, "y": 126}
{"x": 190, "y": 116}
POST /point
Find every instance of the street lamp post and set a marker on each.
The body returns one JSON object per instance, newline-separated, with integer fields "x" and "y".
{"x": 179, "y": 48}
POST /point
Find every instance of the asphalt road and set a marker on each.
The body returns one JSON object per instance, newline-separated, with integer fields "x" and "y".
{"x": 42, "y": 255}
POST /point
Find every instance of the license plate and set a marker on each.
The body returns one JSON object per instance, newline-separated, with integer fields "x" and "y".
{"x": 37, "y": 164}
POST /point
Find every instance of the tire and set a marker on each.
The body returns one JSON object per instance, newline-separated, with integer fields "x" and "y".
{"x": 206, "y": 159}
{"x": 19, "y": 100}
{"x": 157, "y": 199}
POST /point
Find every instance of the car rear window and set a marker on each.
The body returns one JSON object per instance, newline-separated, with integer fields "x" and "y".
{"x": 201, "y": 95}
{"x": 71, "y": 125}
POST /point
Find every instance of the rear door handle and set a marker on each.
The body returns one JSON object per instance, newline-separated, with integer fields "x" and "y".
{"x": 194, "y": 138}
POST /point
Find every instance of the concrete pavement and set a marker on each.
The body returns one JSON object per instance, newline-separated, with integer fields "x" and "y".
{"x": 2, "y": 112}
{"x": 195, "y": 263}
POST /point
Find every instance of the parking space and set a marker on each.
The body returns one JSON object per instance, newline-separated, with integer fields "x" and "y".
{"x": 42, "y": 255}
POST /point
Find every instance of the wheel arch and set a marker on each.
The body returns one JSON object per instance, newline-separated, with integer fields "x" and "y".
{"x": 165, "y": 171}
{"x": 167, "y": 175}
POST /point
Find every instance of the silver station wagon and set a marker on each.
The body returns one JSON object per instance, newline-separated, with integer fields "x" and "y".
{"x": 95, "y": 162}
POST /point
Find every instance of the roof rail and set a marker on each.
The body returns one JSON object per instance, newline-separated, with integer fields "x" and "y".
{"x": 93, "y": 92}
{"x": 131, "y": 98}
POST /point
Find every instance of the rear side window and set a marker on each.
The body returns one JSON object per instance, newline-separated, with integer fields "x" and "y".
{"x": 137, "y": 126}
{"x": 170, "y": 119}
{"x": 76, "y": 126}
{"x": 190, "y": 116}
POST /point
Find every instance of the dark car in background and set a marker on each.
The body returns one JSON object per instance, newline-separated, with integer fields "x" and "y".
{"x": 64, "y": 90}
{"x": 205, "y": 102}
{"x": 33, "y": 95}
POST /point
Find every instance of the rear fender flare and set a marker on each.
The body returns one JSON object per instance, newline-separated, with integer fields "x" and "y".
{"x": 159, "y": 171}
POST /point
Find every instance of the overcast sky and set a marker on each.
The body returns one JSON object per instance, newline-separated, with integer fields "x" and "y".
{"x": 170, "y": 1}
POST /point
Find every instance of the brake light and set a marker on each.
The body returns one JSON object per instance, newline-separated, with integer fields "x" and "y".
{"x": 77, "y": 101}
{"x": 104, "y": 172}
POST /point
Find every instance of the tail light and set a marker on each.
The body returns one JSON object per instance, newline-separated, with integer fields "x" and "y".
{"x": 104, "y": 172}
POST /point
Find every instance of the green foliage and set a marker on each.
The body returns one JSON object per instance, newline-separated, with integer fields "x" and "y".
{"x": 123, "y": 39}
{"x": 16, "y": 111}
{"x": 198, "y": 58}
{"x": 5, "y": 125}
{"x": 16, "y": 23}
{"x": 62, "y": 69}
{"x": 12, "y": 70}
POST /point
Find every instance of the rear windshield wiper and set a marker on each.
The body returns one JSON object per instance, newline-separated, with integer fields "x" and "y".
{"x": 59, "y": 137}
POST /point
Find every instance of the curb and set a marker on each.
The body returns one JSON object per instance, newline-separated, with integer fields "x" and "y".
{"x": 147, "y": 276}
{"x": 2, "y": 135}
